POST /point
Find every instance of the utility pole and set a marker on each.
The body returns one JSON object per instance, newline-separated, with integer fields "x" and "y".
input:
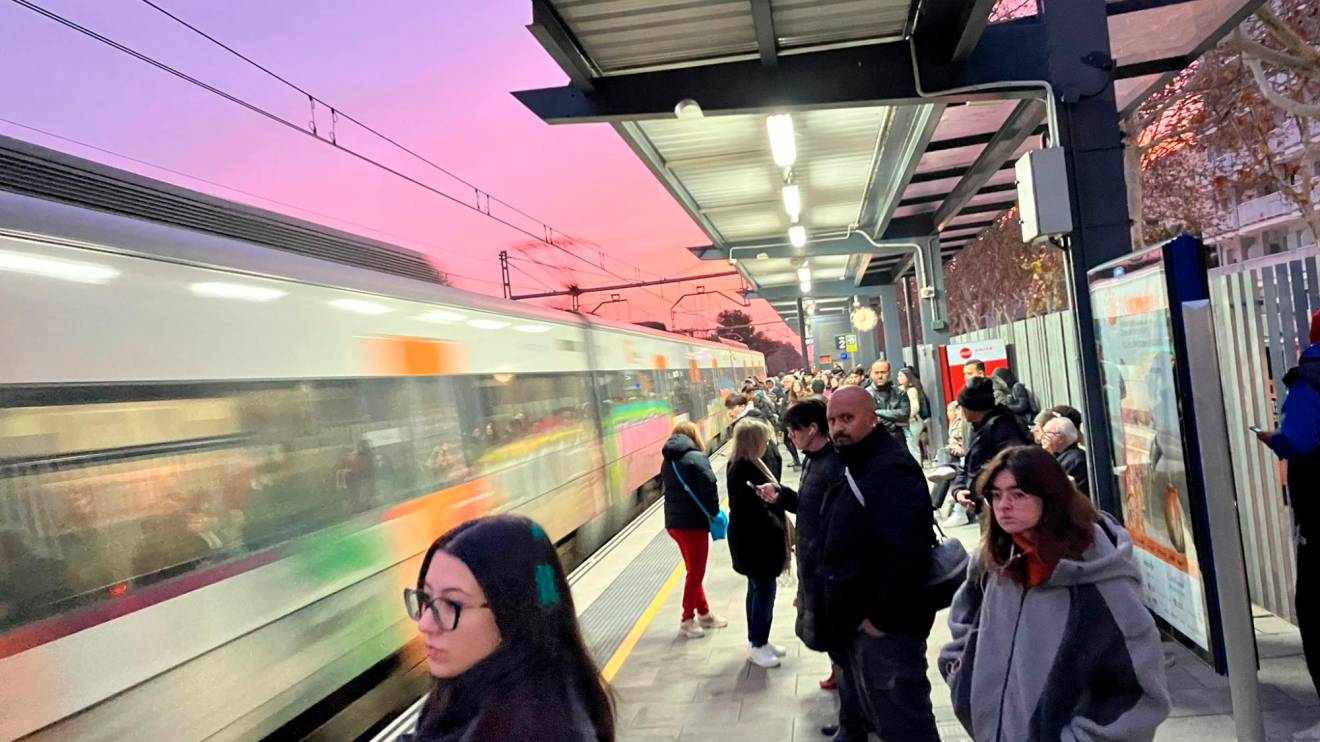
{"x": 504, "y": 273}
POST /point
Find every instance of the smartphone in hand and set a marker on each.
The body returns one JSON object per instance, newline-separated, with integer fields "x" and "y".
{"x": 1255, "y": 429}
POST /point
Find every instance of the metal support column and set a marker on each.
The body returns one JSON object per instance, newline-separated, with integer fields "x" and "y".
{"x": 802, "y": 333}
{"x": 933, "y": 302}
{"x": 1081, "y": 71}
{"x": 891, "y": 324}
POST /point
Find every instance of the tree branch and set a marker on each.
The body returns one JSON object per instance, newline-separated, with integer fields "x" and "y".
{"x": 1289, "y": 105}
{"x": 1239, "y": 42}
{"x": 1286, "y": 36}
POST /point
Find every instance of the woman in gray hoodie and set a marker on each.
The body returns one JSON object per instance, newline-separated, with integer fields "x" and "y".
{"x": 1051, "y": 639}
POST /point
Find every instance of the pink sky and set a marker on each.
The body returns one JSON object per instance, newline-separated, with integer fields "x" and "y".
{"x": 434, "y": 75}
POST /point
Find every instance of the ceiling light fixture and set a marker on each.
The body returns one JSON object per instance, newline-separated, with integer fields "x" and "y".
{"x": 782, "y": 144}
{"x": 804, "y": 274}
{"x": 805, "y": 286}
{"x": 797, "y": 235}
{"x": 793, "y": 201}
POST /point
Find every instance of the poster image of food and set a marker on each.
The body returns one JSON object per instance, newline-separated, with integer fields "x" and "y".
{"x": 1137, "y": 360}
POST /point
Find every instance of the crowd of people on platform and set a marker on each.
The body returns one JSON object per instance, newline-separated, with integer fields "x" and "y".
{"x": 1051, "y": 638}
{"x": 863, "y": 536}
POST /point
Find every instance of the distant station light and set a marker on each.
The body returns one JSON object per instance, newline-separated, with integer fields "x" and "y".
{"x": 797, "y": 235}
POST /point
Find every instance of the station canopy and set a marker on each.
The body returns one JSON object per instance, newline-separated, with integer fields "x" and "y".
{"x": 879, "y": 159}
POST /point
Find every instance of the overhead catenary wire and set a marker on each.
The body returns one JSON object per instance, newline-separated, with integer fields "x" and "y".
{"x": 336, "y": 111}
{"x": 546, "y": 237}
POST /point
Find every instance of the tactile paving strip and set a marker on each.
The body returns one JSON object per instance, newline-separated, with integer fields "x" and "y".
{"x": 607, "y": 621}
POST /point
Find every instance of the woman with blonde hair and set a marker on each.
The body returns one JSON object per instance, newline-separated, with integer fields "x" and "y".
{"x": 757, "y": 536}
{"x": 691, "y": 500}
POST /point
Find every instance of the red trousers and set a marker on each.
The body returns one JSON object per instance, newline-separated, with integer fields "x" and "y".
{"x": 695, "y": 546}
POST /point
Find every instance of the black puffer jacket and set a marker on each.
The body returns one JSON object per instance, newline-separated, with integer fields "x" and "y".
{"x": 873, "y": 557}
{"x": 822, "y": 469}
{"x": 681, "y": 510}
{"x": 892, "y": 406}
{"x": 756, "y": 529}
{"x": 999, "y": 429}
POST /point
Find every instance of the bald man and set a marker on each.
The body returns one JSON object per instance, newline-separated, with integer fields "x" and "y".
{"x": 875, "y": 533}
{"x": 891, "y": 403}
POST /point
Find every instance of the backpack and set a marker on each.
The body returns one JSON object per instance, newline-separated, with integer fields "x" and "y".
{"x": 923, "y": 410}
{"x": 1032, "y": 402}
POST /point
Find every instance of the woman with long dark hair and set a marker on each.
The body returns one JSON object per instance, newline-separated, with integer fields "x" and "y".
{"x": 920, "y": 410}
{"x": 1051, "y": 637}
{"x": 502, "y": 640}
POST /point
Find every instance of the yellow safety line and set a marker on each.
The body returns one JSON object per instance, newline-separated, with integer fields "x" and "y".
{"x": 621, "y": 654}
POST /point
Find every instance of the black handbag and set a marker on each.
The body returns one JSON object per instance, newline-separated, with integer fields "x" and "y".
{"x": 948, "y": 570}
{"x": 948, "y": 560}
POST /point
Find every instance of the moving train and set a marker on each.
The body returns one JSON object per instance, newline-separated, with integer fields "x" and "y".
{"x": 227, "y": 436}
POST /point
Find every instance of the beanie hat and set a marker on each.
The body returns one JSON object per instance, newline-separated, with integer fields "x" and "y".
{"x": 1315, "y": 327}
{"x": 977, "y": 396}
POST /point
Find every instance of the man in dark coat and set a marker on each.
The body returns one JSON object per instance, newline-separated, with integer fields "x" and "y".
{"x": 740, "y": 406}
{"x": 1297, "y": 441}
{"x": 994, "y": 428}
{"x": 872, "y": 550}
{"x": 807, "y": 425}
{"x": 1015, "y": 396}
{"x": 1059, "y": 437}
{"x": 891, "y": 403}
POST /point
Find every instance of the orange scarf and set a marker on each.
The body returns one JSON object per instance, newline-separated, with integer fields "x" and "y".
{"x": 1037, "y": 570}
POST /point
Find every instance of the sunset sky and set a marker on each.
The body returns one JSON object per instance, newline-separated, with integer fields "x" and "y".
{"x": 434, "y": 75}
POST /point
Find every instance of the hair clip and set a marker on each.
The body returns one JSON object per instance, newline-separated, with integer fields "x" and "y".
{"x": 547, "y": 592}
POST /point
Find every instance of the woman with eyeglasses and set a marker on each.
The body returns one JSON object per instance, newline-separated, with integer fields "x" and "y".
{"x": 502, "y": 640}
{"x": 1051, "y": 636}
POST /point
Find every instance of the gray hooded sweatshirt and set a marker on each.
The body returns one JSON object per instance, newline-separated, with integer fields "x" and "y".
{"x": 1077, "y": 657}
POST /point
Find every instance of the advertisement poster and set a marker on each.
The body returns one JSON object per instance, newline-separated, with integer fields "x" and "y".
{"x": 992, "y": 352}
{"x": 1136, "y": 348}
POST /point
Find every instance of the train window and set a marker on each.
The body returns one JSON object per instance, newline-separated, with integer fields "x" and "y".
{"x": 98, "y": 493}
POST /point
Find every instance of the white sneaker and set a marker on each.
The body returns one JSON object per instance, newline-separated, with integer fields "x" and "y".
{"x": 779, "y": 649}
{"x": 1308, "y": 734}
{"x": 691, "y": 629}
{"x": 712, "y": 621}
{"x": 763, "y": 656}
{"x": 959, "y": 518}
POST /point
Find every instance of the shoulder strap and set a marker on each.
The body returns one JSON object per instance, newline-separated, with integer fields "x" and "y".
{"x": 691, "y": 494}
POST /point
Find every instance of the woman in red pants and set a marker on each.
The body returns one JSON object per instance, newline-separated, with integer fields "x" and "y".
{"x": 691, "y": 497}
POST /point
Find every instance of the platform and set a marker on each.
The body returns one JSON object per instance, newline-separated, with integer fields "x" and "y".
{"x": 671, "y": 689}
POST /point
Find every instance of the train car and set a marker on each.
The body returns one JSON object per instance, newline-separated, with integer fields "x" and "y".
{"x": 221, "y": 458}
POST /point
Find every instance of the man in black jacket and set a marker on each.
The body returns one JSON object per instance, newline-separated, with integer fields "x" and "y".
{"x": 807, "y": 425}
{"x": 994, "y": 428}
{"x": 873, "y": 550}
{"x": 891, "y": 403}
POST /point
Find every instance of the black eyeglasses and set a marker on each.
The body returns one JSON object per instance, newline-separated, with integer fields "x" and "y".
{"x": 444, "y": 611}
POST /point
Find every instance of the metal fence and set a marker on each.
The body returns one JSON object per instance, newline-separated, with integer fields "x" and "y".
{"x": 1043, "y": 353}
{"x": 1262, "y": 311}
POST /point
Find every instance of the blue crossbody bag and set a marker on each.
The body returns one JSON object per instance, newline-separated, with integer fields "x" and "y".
{"x": 719, "y": 523}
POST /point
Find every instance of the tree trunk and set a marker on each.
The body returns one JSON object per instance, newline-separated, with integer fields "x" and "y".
{"x": 1132, "y": 175}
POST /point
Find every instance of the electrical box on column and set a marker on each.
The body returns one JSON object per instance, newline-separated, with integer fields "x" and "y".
{"x": 1042, "y": 186}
